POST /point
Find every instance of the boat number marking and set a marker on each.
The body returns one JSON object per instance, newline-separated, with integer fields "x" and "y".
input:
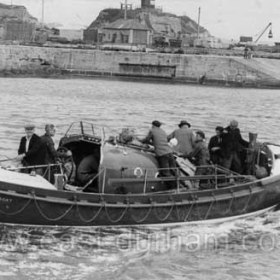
{"x": 5, "y": 200}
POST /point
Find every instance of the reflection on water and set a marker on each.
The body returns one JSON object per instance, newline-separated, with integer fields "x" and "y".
{"x": 234, "y": 250}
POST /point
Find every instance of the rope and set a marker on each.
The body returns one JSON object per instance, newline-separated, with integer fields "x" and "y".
{"x": 18, "y": 211}
{"x": 145, "y": 217}
{"x": 167, "y": 216}
{"x": 48, "y": 218}
{"x": 121, "y": 216}
{"x": 93, "y": 217}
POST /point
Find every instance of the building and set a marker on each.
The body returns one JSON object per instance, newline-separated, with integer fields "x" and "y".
{"x": 17, "y": 30}
{"x": 147, "y": 4}
{"x": 126, "y": 32}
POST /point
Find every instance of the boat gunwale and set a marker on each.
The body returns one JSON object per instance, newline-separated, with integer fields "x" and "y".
{"x": 134, "y": 200}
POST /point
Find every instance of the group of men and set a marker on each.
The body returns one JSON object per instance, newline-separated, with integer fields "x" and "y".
{"x": 225, "y": 148}
{"x": 35, "y": 150}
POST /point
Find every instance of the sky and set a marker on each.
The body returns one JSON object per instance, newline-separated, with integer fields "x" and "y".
{"x": 227, "y": 19}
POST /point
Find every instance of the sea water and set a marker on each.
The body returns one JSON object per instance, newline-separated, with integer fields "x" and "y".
{"x": 240, "y": 249}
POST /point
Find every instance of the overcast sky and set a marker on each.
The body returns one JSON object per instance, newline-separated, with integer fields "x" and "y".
{"x": 223, "y": 18}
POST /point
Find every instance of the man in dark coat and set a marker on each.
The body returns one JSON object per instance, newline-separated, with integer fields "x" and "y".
{"x": 51, "y": 155}
{"x": 31, "y": 150}
{"x": 215, "y": 145}
{"x": 232, "y": 147}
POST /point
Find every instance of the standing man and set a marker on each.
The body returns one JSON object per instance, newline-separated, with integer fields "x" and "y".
{"x": 185, "y": 138}
{"x": 51, "y": 155}
{"x": 31, "y": 150}
{"x": 200, "y": 157}
{"x": 233, "y": 147}
{"x": 215, "y": 145}
{"x": 158, "y": 138}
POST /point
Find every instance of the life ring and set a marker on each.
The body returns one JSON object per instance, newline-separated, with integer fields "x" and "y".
{"x": 138, "y": 172}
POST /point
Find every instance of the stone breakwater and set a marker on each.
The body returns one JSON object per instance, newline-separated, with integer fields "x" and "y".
{"x": 203, "y": 69}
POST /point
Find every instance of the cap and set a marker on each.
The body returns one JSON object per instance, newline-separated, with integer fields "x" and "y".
{"x": 156, "y": 123}
{"x": 29, "y": 126}
{"x": 201, "y": 134}
{"x": 219, "y": 128}
{"x": 233, "y": 123}
{"x": 183, "y": 122}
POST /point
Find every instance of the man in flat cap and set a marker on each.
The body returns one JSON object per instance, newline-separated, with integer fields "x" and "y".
{"x": 158, "y": 138}
{"x": 31, "y": 150}
{"x": 185, "y": 138}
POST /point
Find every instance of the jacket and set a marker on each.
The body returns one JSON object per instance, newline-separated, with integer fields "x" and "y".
{"x": 185, "y": 139}
{"x": 35, "y": 155}
{"x": 51, "y": 154}
{"x": 158, "y": 138}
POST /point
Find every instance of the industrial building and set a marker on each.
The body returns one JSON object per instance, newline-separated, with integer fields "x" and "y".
{"x": 126, "y": 32}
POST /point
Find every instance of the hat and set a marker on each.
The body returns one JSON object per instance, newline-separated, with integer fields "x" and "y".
{"x": 219, "y": 128}
{"x": 233, "y": 123}
{"x": 183, "y": 122}
{"x": 156, "y": 123}
{"x": 29, "y": 126}
{"x": 201, "y": 134}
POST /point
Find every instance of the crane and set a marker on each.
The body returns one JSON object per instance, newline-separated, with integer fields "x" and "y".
{"x": 270, "y": 35}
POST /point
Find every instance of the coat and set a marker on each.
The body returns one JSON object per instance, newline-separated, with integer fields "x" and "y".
{"x": 35, "y": 155}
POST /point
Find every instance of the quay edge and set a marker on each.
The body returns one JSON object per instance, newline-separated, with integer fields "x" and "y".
{"x": 232, "y": 71}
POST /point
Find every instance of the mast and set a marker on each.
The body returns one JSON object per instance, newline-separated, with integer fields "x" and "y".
{"x": 198, "y": 23}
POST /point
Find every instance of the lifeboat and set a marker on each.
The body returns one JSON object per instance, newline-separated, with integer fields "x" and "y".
{"x": 116, "y": 181}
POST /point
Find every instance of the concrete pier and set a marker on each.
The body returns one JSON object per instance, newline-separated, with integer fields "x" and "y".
{"x": 203, "y": 69}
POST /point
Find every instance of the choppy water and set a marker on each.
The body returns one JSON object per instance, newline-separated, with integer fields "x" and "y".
{"x": 244, "y": 249}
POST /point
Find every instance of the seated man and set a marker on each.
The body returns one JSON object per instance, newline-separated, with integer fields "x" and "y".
{"x": 87, "y": 170}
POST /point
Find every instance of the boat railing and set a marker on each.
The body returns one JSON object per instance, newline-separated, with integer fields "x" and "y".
{"x": 45, "y": 170}
{"x": 206, "y": 177}
{"x": 85, "y": 129}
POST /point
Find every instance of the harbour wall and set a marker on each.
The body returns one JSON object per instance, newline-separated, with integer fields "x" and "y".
{"x": 203, "y": 69}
